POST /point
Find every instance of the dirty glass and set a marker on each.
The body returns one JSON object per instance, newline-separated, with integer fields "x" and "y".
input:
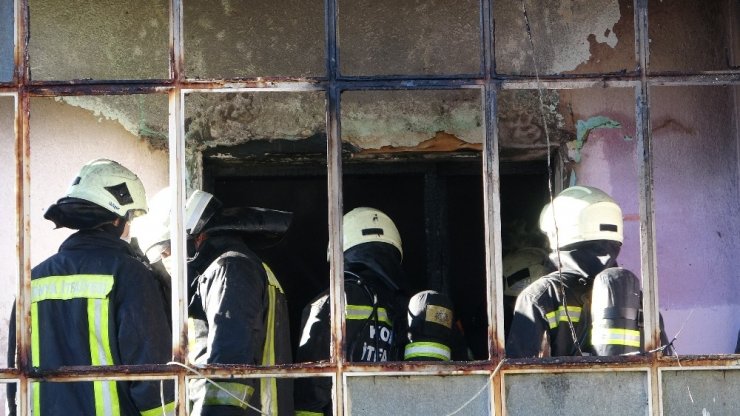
{"x": 387, "y": 37}
{"x": 697, "y": 217}
{"x": 706, "y": 392}
{"x": 8, "y": 250}
{"x": 575, "y": 393}
{"x": 268, "y": 150}
{"x": 693, "y": 36}
{"x": 573, "y": 37}
{"x": 591, "y": 134}
{"x": 101, "y": 40}
{"x": 415, "y": 156}
{"x": 432, "y": 395}
{"x": 7, "y": 23}
{"x": 254, "y": 39}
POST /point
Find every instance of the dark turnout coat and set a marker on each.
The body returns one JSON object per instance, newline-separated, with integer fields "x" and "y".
{"x": 238, "y": 315}
{"x": 95, "y": 303}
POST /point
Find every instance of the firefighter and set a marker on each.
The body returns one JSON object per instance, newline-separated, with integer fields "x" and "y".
{"x": 521, "y": 268}
{"x": 374, "y": 311}
{"x": 238, "y": 311}
{"x": 95, "y": 303}
{"x": 552, "y": 315}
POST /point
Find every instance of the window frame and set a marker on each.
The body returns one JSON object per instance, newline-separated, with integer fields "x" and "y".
{"x": 490, "y": 83}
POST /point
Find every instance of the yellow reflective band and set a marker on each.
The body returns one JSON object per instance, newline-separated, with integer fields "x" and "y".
{"x": 432, "y": 350}
{"x": 268, "y": 386}
{"x": 217, "y": 397}
{"x": 615, "y": 336}
{"x": 307, "y": 413}
{"x": 364, "y": 312}
{"x": 35, "y": 360}
{"x": 557, "y": 316}
{"x": 86, "y": 286}
{"x": 168, "y": 410}
{"x": 106, "y": 392}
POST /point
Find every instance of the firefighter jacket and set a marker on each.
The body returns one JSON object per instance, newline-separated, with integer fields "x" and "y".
{"x": 375, "y": 321}
{"x": 94, "y": 303}
{"x": 238, "y": 315}
{"x": 542, "y": 317}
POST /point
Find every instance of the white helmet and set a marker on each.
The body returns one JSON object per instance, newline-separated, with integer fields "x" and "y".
{"x": 523, "y": 267}
{"x": 152, "y": 231}
{"x": 199, "y": 208}
{"x": 581, "y": 213}
{"x": 365, "y": 225}
{"x": 111, "y": 186}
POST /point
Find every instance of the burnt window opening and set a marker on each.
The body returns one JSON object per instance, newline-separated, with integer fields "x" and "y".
{"x": 436, "y": 205}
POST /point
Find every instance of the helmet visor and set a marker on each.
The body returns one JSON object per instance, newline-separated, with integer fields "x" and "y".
{"x": 157, "y": 251}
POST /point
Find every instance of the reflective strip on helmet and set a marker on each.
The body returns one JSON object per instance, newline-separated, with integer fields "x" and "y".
{"x": 238, "y": 394}
{"x": 358, "y": 312}
{"x": 433, "y": 350}
{"x": 87, "y": 286}
{"x": 559, "y": 315}
{"x": 308, "y": 413}
{"x": 615, "y": 336}
{"x": 268, "y": 386}
{"x": 167, "y": 410}
{"x": 106, "y": 392}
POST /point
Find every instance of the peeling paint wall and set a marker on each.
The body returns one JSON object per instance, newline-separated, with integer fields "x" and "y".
{"x": 63, "y": 138}
{"x": 8, "y": 257}
{"x": 565, "y": 34}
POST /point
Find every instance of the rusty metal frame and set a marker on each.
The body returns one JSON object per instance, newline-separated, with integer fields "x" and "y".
{"x": 488, "y": 81}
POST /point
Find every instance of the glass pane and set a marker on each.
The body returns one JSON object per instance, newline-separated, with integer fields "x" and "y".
{"x": 267, "y": 150}
{"x": 704, "y": 35}
{"x": 700, "y": 392}
{"x": 697, "y": 217}
{"x": 591, "y": 135}
{"x": 581, "y": 36}
{"x": 412, "y": 158}
{"x": 99, "y": 40}
{"x": 387, "y": 37}
{"x": 238, "y": 39}
{"x": 8, "y": 250}
{"x": 578, "y": 393}
{"x": 432, "y": 395}
{"x": 67, "y": 133}
{"x": 7, "y": 18}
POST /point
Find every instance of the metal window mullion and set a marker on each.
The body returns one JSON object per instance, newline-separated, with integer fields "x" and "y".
{"x": 23, "y": 204}
{"x": 334, "y": 183}
{"x": 648, "y": 263}
{"x": 177, "y": 172}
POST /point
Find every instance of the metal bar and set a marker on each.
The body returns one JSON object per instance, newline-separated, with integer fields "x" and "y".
{"x": 334, "y": 183}
{"x": 177, "y": 169}
{"x": 648, "y": 264}
{"x": 139, "y": 87}
{"x": 23, "y": 204}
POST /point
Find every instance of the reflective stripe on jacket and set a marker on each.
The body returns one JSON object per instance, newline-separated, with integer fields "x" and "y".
{"x": 238, "y": 316}
{"x": 94, "y": 303}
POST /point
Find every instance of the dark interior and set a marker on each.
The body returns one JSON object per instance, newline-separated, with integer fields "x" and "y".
{"x": 437, "y": 207}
